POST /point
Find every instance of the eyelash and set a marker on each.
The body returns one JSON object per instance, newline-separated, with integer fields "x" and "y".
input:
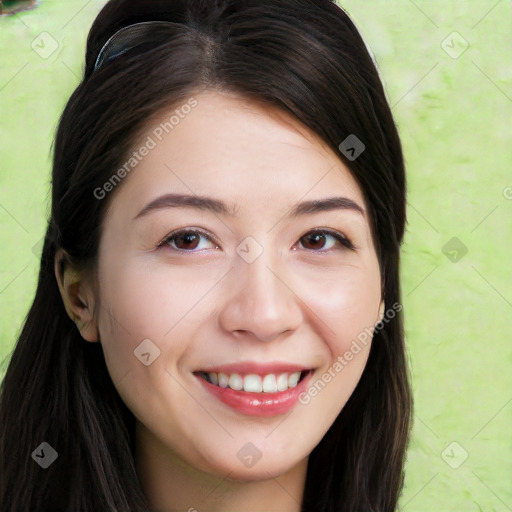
{"x": 343, "y": 240}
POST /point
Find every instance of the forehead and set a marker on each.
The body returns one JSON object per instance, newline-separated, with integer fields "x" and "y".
{"x": 242, "y": 150}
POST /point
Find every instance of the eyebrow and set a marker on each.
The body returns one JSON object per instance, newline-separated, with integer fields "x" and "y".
{"x": 219, "y": 207}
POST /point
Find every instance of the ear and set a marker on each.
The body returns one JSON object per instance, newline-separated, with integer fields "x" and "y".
{"x": 381, "y": 313}
{"x": 77, "y": 294}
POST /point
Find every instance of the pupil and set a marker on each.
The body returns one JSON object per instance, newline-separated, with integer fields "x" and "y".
{"x": 188, "y": 239}
{"x": 315, "y": 238}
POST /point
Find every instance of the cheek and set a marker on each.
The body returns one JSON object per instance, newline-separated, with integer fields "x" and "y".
{"x": 346, "y": 309}
{"x": 140, "y": 304}
{"x": 346, "y": 304}
{"x": 146, "y": 323}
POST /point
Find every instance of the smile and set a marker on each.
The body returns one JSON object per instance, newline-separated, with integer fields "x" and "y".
{"x": 256, "y": 389}
{"x": 253, "y": 383}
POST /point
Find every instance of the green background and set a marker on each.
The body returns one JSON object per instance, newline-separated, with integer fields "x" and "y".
{"x": 452, "y": 99}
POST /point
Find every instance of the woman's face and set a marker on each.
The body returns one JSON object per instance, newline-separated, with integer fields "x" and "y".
{"x": 214, "y": 260}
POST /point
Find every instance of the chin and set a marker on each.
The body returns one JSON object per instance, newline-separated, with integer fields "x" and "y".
{"x": 236, "y": 470}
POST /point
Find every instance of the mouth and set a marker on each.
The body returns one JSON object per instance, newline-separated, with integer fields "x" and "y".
{"x": 253, "y": 382}
{"x": 256, "y": 390}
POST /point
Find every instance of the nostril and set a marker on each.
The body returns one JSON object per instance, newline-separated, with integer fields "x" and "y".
{"x": 13, "y": 6}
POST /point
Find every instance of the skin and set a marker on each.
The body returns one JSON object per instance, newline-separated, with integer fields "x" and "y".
{"x": 300, "y": 301}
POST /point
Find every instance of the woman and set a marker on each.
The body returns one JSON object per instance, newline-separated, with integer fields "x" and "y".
{"x": 217, "y": 321}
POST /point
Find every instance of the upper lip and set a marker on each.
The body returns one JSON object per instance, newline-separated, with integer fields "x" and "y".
{"x": 252, "y": 367}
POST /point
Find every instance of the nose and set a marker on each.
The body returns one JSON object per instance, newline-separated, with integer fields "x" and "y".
{"x": 261, "y": 303}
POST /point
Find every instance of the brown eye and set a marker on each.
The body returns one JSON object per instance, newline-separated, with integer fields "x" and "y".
{"x": 323, "y": 241}
{"x": 187, "y": 241}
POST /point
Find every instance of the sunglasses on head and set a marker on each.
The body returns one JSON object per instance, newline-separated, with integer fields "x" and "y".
{"x": 131, "y": 36}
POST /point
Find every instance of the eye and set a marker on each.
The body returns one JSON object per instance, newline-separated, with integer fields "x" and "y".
{"x": 193, "y": 240}
{"x": 324, "y": 240}
{"x": 187, "y": 241}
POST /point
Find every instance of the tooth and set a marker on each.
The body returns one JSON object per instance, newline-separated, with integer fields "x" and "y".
{"x": 293, "y": 379}
{"x": 235, "y": 382}
{"x": 269, "y": 383}
{"x": 282, "y": 382}
{"x": 253, "y": 383}
{"x": 223, "y": 380}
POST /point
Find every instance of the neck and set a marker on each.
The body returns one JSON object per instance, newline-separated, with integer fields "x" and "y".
{"x": 172, "y": 485}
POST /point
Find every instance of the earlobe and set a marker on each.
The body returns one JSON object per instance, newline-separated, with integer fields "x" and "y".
{"x": 77, "y": 296}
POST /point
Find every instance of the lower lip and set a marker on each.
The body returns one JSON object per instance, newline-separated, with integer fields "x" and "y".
{"x": 258, "y": 404}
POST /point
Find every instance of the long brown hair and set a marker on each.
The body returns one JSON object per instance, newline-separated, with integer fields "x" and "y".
{"x": 307, "y": 58}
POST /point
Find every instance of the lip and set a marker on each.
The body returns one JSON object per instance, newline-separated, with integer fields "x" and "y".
{"x": 258, "y": 404}
{"x": 251, "y": 367}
